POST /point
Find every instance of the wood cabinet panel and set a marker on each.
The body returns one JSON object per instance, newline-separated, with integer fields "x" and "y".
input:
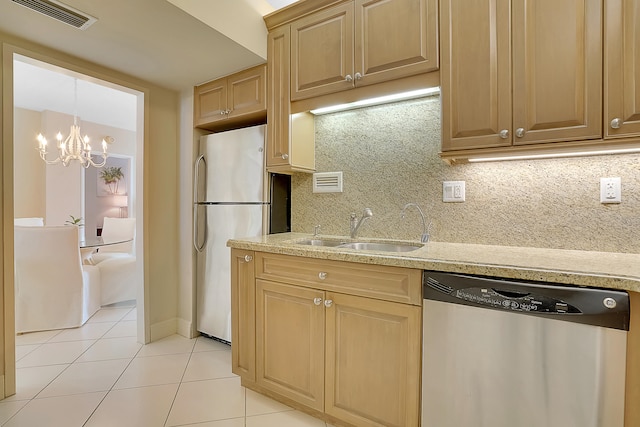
{"x": 240, "y": 98}
{"x": 395, "y": 39}
{"x": 622, "y": 68}
{"x": 373, "y": 361}
{"x": 520, "y": 72}
{"x": 374, "y": 281}
{"x": 557, "y": 70}
{"x": 475, "y": 73}
{"x": 322, "y": 52}
{"x": 290, "y": 342}
{"x": 243, "y": 317}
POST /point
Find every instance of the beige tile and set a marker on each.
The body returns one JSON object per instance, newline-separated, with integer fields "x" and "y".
{"x": 173, "y": 344}
{"x": 131, "y": 315}
{"x": 31, "y": 381}
{"x": 55, "y": 353}
{"x": 109, "y": 315}
{"x": 208, "y": 344}
{"x": 135, "y": 407}
{"x": 64, "y": 411}
{"x": 211, "y": 400}
{"x": 8, "y": 409}
{"x": 88, "y": 331}
{"x": 258, "y": 404}
{"x": 234, "y": 422}
{"x": 208, "y": 365}
{"x": 35, "y": 337}
{"x": 112, "y": 348}
{"x": 122, "y": 329}
{"x": 284, "y": 419}
{"x": 23, "y": 350}
{"x": 86, "y": 377}
{"x": 153, "y": 370}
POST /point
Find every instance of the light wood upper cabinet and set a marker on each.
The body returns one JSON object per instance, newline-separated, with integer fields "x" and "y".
{"x": 362, "y": 42}
{"x": 238, "y": 98}
{"x": 520, "y": 72}
{"x": 290, "y": 137}
{"x": 622, "y": 68}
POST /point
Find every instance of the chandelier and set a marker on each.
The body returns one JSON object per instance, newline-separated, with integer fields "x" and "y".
{"x": 74, "y": 147}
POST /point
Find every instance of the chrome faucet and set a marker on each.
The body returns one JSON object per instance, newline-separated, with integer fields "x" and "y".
{"x": 425, "y": 229}
{"x": 355, "y": 223}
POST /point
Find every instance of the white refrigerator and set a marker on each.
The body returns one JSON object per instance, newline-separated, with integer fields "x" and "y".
{"x": 230, "y": 201}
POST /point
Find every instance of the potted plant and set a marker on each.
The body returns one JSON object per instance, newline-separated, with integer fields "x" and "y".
{"x": 111, "y": 175}
{"x": 78, "y": 223}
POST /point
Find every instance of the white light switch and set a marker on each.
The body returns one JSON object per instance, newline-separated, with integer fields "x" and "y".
{"x": 610, "y": 190}
{"x": 453, "y": 191}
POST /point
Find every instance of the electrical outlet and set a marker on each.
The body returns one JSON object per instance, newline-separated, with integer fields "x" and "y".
{"x": 453, "y": 191}
{"x": 610, "y": 190}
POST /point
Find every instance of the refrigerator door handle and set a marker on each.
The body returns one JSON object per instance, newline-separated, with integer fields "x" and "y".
{"x": 196, "y": 179}
{"x": 198, "y": 247}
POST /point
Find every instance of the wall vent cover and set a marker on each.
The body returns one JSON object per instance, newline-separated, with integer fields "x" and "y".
{"x": 327, "y": 182}
{"x": 60, "y": 12}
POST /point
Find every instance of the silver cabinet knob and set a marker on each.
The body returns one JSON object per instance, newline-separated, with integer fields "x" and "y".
{"x": 285, "y": 156}
{"x": 317, "y": 300}
{"x": 322, "y": 275}
{"x": 504, "y": 133}
{"x": 248, "y": 258}
{"x": 520, "y": 132}
{"x": 223, "y": 112}
{"x": 328, "y": 303}
{"x": 358, "y": 76}
{"x": 616, "y": 123}
{"x": 348, "y": 78}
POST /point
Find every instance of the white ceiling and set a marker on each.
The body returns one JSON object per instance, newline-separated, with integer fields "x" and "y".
{"x": 149, "y": 39}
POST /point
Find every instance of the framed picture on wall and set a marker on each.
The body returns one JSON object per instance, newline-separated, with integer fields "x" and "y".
{"x": 111, "y": 181}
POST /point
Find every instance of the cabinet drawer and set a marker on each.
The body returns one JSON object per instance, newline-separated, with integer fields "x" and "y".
{"x": 374, "y": 281}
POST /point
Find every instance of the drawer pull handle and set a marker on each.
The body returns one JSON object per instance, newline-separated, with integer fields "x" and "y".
{"x": 322, "y": 275}
{"x": 328, "y": 303}
{"x": 317, "y": 300}
{"x": 248, "y": 258}
{"x": 616, "y": 123}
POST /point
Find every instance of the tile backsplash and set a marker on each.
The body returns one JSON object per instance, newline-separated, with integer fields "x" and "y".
{"x": 389, "y": 157}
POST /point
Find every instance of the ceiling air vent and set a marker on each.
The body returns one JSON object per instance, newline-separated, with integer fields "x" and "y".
{"x": 327, "y": 182}
{"x": 59, "y": 11}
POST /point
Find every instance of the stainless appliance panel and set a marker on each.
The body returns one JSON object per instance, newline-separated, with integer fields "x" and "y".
{"x": 485, "y": 368}
{"x": 213, "y": 290}
{"x": 230, "y": 168}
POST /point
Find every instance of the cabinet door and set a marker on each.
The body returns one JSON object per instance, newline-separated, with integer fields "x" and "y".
{"x": 248, "y": 92}
{"x": 243, "y": 318}
{"x": 622, "y": 68}
{"x": 322, "y": 52}
{"x": 394, "y": 39}
{"x": 475, "y": 73}
{"x": 290, "y": 342}
{"x": 372, "y": 361}
{"x": 557, "y": 70}
{"x": 278, "y": 102}
{"x": 210, "y": 102}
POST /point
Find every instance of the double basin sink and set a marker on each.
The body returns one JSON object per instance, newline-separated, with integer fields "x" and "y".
{"x": 362, "y": 246}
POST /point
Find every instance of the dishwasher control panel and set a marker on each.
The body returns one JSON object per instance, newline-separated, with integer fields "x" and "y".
{"x": 515, "y": 301}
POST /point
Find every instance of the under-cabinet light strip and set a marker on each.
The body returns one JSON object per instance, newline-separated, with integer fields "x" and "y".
{"x": 377, "y": 101}
{"x": 554, "y": 155}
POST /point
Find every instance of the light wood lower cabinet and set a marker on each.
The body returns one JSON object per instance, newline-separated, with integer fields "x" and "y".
{"x": 353, "y": 360}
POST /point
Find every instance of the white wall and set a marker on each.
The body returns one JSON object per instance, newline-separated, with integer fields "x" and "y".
{"x": 29, "y": 178}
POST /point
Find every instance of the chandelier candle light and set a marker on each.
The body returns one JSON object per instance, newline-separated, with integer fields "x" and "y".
{"x": 74, "y": 147}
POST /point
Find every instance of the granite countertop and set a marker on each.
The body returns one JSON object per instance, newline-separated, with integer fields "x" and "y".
{"x": 582, "y": 268}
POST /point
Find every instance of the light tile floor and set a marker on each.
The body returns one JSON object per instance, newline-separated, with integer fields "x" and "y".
{"x": 99, "y": 376}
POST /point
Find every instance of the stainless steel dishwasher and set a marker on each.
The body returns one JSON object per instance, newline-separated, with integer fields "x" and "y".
{"x": 504, "y": 353}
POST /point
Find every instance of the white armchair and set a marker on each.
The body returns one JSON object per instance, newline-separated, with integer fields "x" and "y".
{"x": 116, "y": 229}
{"x": 117, "y": 263}
{"x": 29, "y": 222}
{"x": 53, "y": 290}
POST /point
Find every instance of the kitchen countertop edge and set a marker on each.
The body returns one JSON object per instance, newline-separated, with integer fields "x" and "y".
{"x": 582, "y": 268}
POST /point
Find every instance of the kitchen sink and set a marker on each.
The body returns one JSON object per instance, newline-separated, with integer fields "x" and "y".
{"x": 363, "y": 246}
{"x": 320, "y": 242}
{"x": 383, "y": 247}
